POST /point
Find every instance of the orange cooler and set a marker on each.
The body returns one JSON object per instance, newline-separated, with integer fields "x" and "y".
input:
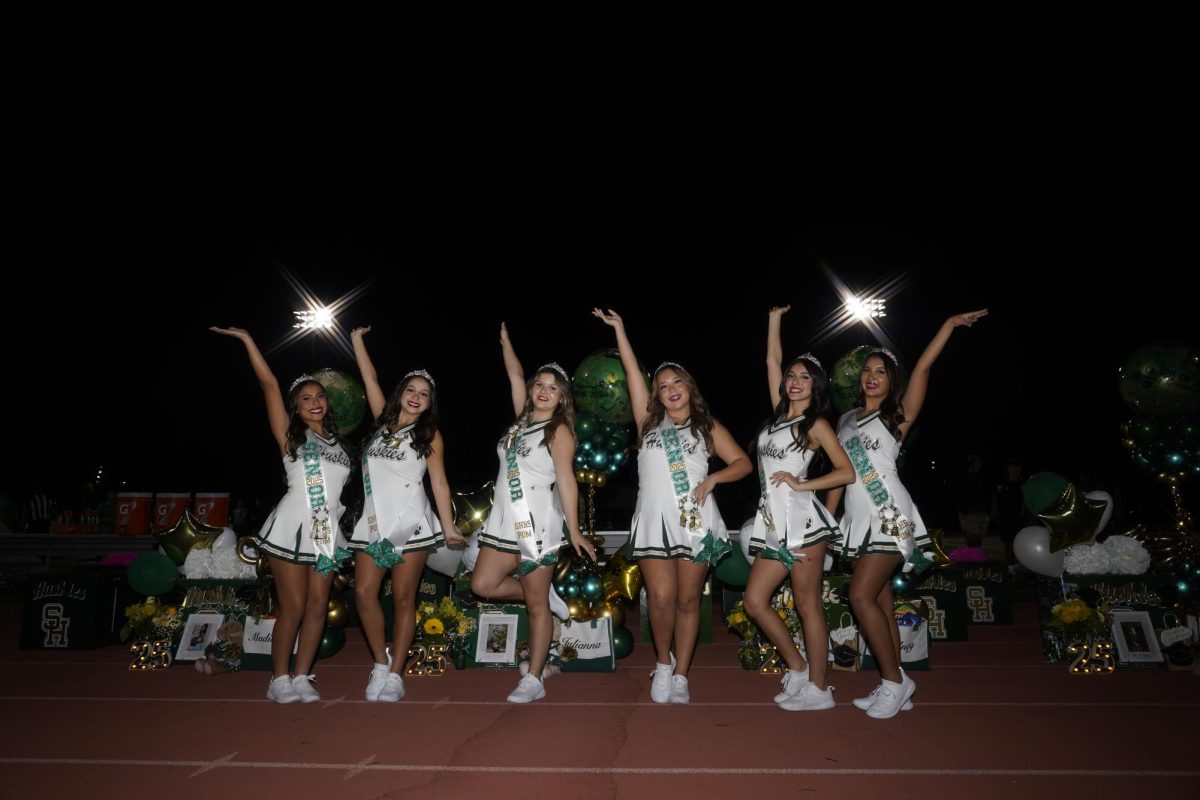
{"x": 212, "y": 508}
{"x": 169, "y": 507}
{"x": 133, "y": 514}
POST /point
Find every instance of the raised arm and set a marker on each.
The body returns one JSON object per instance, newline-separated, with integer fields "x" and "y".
{"x": 639, "y": 395}
{"x": 516, "y": 375}
{"x": 375, "y": 396}
{"x": 918, "y": 382}
{"x": 562, "y": 451}
{"x": 775, "y": 353}
{"x": 277, "y": 415}
{"x": 436, "y": 464}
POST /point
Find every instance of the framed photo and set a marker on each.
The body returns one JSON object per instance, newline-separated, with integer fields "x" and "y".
{"x": 199, "y": 632}
{"x": 1134, "y": 637}
{"x": 497, "y": 639}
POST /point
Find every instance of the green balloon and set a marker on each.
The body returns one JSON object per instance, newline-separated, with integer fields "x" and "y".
{"x": 623, "y": 435}
{"x": 1042, "y": 489}
{"x": 586, "y": 424}
{"x": 844, "y": 379}
{"x": 599, "y": 459}
{"x": 1161, "y": 379}
{"x": 152, "y": 574}
{"x": 346, "y": 396}
{"x": 332, "y": 642}
{"x": 622, "y": 642}
{"x": 599, "y": 386}
{"x": 734, "y": 570}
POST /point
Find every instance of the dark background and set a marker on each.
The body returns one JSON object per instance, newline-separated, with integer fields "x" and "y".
{"x": 167, "y": 163}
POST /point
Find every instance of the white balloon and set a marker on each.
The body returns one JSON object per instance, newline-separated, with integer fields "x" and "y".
{"x": 470, "y": 554}
{"x": 743, "y": 536}
{"x": 1096, "y": 494}
{"x": 446, "y": 559}
{"x": 1031, "y": 546}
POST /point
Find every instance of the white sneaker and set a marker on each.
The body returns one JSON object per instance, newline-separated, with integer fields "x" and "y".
{"x": 792, "y": 683}
{"x": 892, "y": 697}
{"x": 866, "y": 702}
{"x": 379, "y": 673}
{"x": 809, "y": 698}
{"x": 660, "y": 681}
{"x": 280, "y": 690}
{"x": 528, "y": 690}
{"x": 303, "y": 684}
{"x": 558, "y": 606}
{"x": 393, "y": 688}
{"x": 680, "y": 695}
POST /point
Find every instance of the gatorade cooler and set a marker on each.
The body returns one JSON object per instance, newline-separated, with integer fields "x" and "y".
{"x": 169, "y": 507}
{"x": 133, "y": 514}
{"x": 212, "y": 508}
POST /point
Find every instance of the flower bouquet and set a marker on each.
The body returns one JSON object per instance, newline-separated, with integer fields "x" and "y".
{"x": 444, "y": 622}
{"x": 751, "y": 653}
{"x": 149, "y": 620}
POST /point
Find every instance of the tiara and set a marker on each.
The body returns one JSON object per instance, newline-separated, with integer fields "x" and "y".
{"x": 554, "y": 366}
{"x": 808, "y": 357}
{"x": 889, "y": 354}
{"x": 422, "y": 373}
{"x": 671, "y": 364}
{"x": 305, "y": 378}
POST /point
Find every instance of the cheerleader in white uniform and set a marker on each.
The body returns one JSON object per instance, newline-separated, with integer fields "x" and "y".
{"x": 301, "y": 536}
{"x": 792, "y": 530}
{"x": 676, "y": 533}
{"x": 880, "y": 526}
{"x": 535, "y": 507}
{"x": 397, "y": 530}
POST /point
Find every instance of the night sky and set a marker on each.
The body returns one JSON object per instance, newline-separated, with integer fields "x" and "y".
{"x": 166, "y": 167}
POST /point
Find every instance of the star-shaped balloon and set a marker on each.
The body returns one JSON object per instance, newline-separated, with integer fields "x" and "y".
{"x": 1072, "y": 519}
{"x": 177, "y": 540}
{"x": 472, "y": 508}
{"x": 940, "y": 559}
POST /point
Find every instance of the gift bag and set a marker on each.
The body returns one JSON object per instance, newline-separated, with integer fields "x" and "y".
{"x": 914, "y": 645}
{"x": 256, "y": 643}
{"x": 592, "y": 644}
{"x": 844, "y": 645}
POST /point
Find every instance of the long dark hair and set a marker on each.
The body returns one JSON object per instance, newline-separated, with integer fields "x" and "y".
{"x": 702, "y": 419}
{"x": 297, "y": 429}
{"x": 818, "y": 403}
{"x": 564, "y": 412}
{"x": 890, "y": 410}
{"x": 427, "y": 422}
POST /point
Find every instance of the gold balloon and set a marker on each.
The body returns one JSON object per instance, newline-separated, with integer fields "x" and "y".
{"x": 1072, "y": 519}
{"x": 612, "y": 589}
{"x": 615, "y": 612}
{"x": 590, "y": 477}
{"x": 246, "y": 545}
{"x": 565, "y": 564}
{"x": 336, "y": 616}
{"x": 940, "y": 559}
{"x": 472, "y": 508}
{"x": 577, "y": 607}
{"x": 340, "y": 581}
{"x": 628, "y": 575}
{"x": 185, "y": 534}
{"x": 1166, "y": 547}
